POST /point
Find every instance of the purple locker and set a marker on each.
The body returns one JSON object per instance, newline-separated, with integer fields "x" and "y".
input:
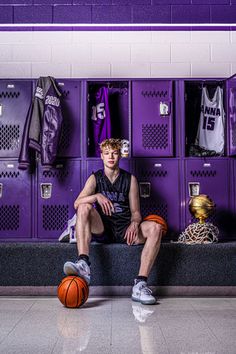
{"x": 211, "y": 176}
{"x": 15, "y": 201}
{"x": 159, "y": 190}
{"x": 118, "y": 92}
{"x": 95, "y": 165}
{"x": 152, "y": 110}
{"x": 70, "y": 138}
{"x": 231, "y": 107}
{"x": 15, "y": 99}
{"x": 57, "y": 190}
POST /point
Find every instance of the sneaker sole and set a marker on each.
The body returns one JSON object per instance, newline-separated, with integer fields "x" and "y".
{"x": 71, "y": 270}
{"x": 150, "y": 302}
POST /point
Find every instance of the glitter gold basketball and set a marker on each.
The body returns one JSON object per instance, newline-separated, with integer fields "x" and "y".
{"x": 201, "y": 207}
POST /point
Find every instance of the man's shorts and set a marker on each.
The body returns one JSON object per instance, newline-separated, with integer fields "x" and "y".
{"x": 111, "y": 235}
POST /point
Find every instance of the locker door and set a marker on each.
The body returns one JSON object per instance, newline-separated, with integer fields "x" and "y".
{"x": 152, "y": 110}
{"x": 15, "y": 201}
{"x": 213, "y": 178}
{"x": 57, "y": 191}
{"x": 70, "y": 142}
{"x": 15, "y": 99}
{"x": 231, "y": 110}
{"x": 159, "y": 190}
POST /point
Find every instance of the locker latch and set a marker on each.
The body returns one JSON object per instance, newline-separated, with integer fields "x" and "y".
{"x": 164, "y": 108}
{"x": 144, "y": 189}
{"x": 193, "y": 189}
{"x": 1, "y": 189}
{"x": 46, "y": 190}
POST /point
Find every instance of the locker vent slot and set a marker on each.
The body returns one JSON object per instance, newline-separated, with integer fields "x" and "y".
{"x": 150, "y": 174}
{"x": 65, "y": 135}
{"x": 150, "y": 207}
{"x": 55, "y": 217}
{"x": 154, "y": 93}
{"x": 11, "y": 94}
{"x": 201, "y": 173}
{"x": 9, "y": 217}
{"x": 155, "y": 136}
{"x": 60, "y": 173}
{"x": 9, "y": 137}
{"x": 234, "y": 136}
{"x": 5, "y": 174}
{"x": 65, "y": 93}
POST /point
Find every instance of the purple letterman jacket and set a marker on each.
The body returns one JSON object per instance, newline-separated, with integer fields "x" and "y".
{"x": 43, "y": 124}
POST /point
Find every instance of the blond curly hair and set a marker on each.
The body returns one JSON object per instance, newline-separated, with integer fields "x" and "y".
{"x": 114, "y": 144}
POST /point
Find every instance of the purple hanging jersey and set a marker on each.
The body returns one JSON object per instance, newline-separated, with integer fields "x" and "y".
{"x": 101, "y": 121}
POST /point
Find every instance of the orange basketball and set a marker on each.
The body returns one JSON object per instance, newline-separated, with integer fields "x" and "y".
{"x": 159, "y": 220}
{"x": 73, "y": 291}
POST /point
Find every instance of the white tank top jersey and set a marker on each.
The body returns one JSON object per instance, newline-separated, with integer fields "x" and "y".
{"x": 210, "y": 133}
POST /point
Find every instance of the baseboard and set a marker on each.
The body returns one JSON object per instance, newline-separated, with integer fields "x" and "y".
{"x": 123, "y": 290}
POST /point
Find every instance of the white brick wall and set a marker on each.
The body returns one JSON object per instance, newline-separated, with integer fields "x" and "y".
{"x": 117, "y": 54}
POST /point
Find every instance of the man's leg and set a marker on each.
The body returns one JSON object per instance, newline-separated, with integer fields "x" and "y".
{"x": 150, "y": 234}
{"x": 88, "y": 221}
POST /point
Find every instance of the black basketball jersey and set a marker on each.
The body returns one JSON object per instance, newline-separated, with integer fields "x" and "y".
{"x": 118, "y": 193}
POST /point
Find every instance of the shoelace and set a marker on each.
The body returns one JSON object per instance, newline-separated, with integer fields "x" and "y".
{"x": 83, "y": 267}
{"x": 146, "y": 290}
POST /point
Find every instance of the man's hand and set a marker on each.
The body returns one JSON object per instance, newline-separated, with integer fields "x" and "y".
{"x": 105, "y": 204}
{"x": 131, "y": 233}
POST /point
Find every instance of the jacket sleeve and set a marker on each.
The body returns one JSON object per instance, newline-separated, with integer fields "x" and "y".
{"x": 52, "y": 124}
{"x": 31, "y": 133}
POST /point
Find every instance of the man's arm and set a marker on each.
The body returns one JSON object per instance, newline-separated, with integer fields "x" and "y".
{"x": 134, "y": 201}
{"x": 132, "y": 231}
{"x": 88, "y": 195}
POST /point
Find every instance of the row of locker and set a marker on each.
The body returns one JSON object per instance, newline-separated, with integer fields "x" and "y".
{"x": 158, "y": 117}
{"x": 37, "y": 206}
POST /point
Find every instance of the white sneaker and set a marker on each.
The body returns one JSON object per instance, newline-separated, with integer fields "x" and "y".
{"x": 65, "y": 236}
{"x": 80, "y": 268}
{"x": 141, "y": 313}
{"x": 141, "y": 293}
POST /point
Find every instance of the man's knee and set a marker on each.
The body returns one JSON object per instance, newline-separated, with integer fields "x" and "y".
{"x": 84, "y": 210}
{"x": 155, "y": 231}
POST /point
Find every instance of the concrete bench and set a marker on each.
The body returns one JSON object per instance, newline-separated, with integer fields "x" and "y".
{"x": 37, "y": 268}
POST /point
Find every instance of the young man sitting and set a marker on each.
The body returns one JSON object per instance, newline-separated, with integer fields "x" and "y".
{"x": 108, "y": 210}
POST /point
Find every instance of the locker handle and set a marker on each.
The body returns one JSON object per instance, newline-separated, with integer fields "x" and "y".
{"x": 193, "y": 189}
{"x": 164, "y": 108}
{"x": 206, "y": 165}
{"x": 144, "y": 189}
{"x": 1, "y": 189}
{"x": 46, "y": 190}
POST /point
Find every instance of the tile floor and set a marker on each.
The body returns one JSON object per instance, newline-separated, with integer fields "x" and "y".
{"x": 118, "y": 325}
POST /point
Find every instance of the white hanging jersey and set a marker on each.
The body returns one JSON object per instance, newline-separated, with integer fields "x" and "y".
{"x": 210, "y": 133}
